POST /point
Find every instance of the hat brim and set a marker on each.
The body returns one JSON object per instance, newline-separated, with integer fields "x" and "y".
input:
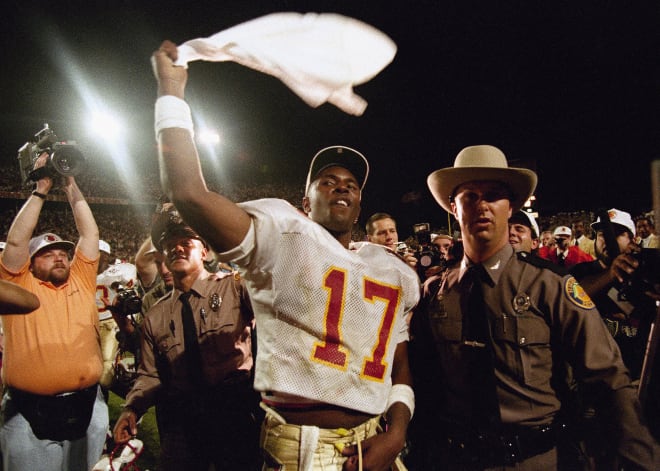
{"x": 599, "y": 226}
{"x": 442, "y": 183}
{"x": 63, "y": 244}
{"x": 339, "y": 156}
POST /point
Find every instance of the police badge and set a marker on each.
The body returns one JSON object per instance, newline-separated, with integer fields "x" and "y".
{"x": 215, "y": 301}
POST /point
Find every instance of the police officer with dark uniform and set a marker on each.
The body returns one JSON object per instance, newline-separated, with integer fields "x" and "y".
{"x": 490, "y": 342}
{"x": 197, "y": 363}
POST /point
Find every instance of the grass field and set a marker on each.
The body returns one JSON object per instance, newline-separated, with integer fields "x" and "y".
{"x": 147, "y": 432}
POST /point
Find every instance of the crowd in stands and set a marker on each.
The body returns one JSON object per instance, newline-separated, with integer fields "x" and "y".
{"x": 124, "y": 221}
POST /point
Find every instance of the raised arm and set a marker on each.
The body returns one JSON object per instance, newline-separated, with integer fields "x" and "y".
{"x": 217, "y": 219}
{"x": 16, "y": 251}
{"x": 145, "y": 263}
{"x": 88, "y": 231}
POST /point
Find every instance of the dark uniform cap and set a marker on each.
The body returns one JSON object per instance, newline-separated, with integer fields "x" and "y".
{"x": 339, "y": 156}
{"x": 169, "y": 224}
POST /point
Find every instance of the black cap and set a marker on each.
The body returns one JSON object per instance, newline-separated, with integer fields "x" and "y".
{"x": 169, "y": 224}
{"x": 339, "y": 156}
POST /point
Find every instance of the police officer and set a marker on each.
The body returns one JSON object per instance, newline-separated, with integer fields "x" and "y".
{"x": 206, "y": 407}
{"x": 489, "y": 345}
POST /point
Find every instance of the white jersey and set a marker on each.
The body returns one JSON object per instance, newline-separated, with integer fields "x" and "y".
{"x": 124, "y": 274}
{"x": 328, "y": 319}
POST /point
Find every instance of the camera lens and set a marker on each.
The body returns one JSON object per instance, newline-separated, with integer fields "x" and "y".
{"x": 67, "y": 160}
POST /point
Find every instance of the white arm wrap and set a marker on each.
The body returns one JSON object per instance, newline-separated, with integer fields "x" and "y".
{"x": 172, "y": 112}
{"x": 402, "y": 393}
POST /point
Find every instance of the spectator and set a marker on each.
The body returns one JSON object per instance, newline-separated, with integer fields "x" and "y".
{"x": 565, "y": 255}
{"x": 646, "y": 235}
{"x": 323, "y": 368}
{"x": 54, "y": 414}
{"x": 523, "y": 232}
{"x": 198, "y": 376}
{"x": 581, "y": 239}
{"x": 490, "y": 343}
{"x": 547, "y": 240}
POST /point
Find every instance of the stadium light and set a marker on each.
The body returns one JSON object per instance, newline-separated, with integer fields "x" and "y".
{"x": 208, "y": 137}
{"x": 105, "y": 126}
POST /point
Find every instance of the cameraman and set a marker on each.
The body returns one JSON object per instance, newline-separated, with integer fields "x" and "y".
{"x": 54, "y": 415}
{"x": 111, "y": 280}
{"x": 627, "y": 316}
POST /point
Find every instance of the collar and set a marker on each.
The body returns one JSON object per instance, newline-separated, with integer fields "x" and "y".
{"x": 197, "y": 286}
{"x": 493, "y": 267}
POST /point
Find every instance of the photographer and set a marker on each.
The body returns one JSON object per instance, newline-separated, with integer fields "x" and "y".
{"x": 381, "y": 230}
{"x": 54, "y": 415}
{"x": 626, "y": 309}
{"x": 115, "y": 284}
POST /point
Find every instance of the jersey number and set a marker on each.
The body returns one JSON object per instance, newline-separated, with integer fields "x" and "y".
{"x": 330, "y": 351}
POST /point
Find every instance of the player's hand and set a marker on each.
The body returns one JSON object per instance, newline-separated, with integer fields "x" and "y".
{"x": 378, "y": 453}
{"x": 171, "y": 78}
{"x": 125, "y": 427}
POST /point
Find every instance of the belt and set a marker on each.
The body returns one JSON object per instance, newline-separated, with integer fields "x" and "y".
{"x": 502, "y": 449}
{"x": 31, "y": 397}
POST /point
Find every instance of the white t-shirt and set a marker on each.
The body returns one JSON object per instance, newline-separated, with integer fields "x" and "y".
{"x": 328, "y": 318}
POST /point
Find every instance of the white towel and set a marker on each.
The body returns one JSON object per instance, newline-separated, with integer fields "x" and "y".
{"x": 318, "y": 56}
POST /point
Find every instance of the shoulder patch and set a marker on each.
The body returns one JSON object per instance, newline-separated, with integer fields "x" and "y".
{"x": 576, "y": 294}
{"x": 541, "y": 262}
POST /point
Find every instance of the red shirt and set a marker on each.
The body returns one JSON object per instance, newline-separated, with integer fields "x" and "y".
{"x": 574, "y": 256}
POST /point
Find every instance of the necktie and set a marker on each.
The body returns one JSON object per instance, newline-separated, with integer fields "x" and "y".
{"x": 191, "y": 353}
{"x": 485, "y": 405}
{"x": 560, "y": 259}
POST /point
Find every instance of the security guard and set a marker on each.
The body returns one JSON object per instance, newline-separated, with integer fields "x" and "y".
{"x": 197, "y": 364}
{"x": 491, "y": 341}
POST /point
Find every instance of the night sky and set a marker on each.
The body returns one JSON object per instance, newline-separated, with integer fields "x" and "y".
{"x": 568, "y": 88}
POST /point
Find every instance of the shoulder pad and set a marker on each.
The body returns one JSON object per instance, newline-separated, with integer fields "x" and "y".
{"x": 539, "y": 262}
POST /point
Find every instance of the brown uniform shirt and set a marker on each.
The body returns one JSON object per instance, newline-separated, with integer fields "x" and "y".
{"x": 533, "y": 312}
{"x": 224, "y": 321}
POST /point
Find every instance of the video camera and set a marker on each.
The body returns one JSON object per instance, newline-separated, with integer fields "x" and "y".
{"x": 646, "y": 278}
{"x": 64, "y": 157}
{"x": 427, "y": 254}
{"x": 127, "y": 301}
